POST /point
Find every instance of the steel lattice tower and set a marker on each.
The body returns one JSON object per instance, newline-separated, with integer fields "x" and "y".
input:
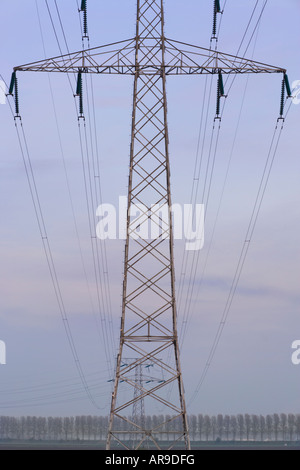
{"x": 149, "y": 325}
{"x": 149, "y": 317}
{"x": 138, "y": 412}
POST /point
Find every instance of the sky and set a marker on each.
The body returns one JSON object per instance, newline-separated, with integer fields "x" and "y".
{"x": 252, "y": 370}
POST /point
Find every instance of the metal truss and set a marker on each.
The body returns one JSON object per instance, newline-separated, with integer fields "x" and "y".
{"x": 149, "y": 318}
{"x": 180, "y": 59}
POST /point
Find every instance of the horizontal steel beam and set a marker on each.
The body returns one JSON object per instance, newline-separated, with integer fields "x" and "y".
{"x": 147, "y": 339}
{"x": 180, "y": 59}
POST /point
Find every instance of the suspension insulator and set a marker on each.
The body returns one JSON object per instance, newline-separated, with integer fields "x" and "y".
{"x": 17, "y": 109}
{"x": 85, "y": 24}
{"x": 217, "y": 9}
{"x": 218, "y": 102}
{"x": 79, "y": 92}
{"x": 221, "y": 84}
{"x": 85, "y": 28}
{"x": 12, "y": 83}
{"x": 220, "y": 93}
{"x": 79, "y": 84}
{"x": 214, "y": 30}
{"x": 81, "y": 105}
{"x": 282, "y": 98}
{"x": 287, "y": 85}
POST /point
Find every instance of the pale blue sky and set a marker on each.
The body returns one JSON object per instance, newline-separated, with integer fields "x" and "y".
{"x": 252, "y": 369}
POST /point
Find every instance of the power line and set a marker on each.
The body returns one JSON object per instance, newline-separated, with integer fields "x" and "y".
{"x": 91, "y": 198}
{"x": 67, "y": 178}
{"x": 47, "y": 248}
{"x": 48, "y": 251}
{"x": 68, "y": 184}
{"x": 244, "y": 251}
{"x": 193, "y": 268}
{"x": 195, "y": 188}
{"x": 196, "y": 257}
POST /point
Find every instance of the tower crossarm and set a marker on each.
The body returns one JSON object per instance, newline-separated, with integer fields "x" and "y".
{"x": 185, "y": 59}
{"x": 180, "y": 59}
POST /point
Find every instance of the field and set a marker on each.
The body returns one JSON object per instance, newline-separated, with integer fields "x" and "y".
{"x": 196, "y": 446}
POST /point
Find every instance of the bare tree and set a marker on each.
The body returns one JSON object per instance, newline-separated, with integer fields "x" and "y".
{"x": 72, "y": 427}
{"x": 29, "y": 427}
{"x": 220, "y": 425}
{"x": 241, "y": 425}
{"x": 96, "y": 427}
{"x": 234, "y": 427}
{"x": 227, "y": 426}
{"x": 57, "y": 428}
{"x": 283, "y": 424}
{"x": 207, "y": 426}
{"x": 247, "y": 421}
{"x": 23, "y": 427}
{"x": 262, "y": 427}
{"x": 276, "y": 424}
{"x": 155, "y": 421}
{"x": 66, "y": 427}
{"x": 34, "y": 427}
{"x": 50, "y": 426}
{"x": 297, "y": 427}
{"x": 148, "y": 422}
{"x": 41, "y": 428}
{"x": 82, "y": 426}
{"x": 213, "y": 421}
{"x": 269, "y": 426}
{"x": 255, "y": 426}
{"x": 193, "y": 426}
{"x": 291, "y": 420}
{"x": 200, "y": 425}
{"x": 77, "y": 427}
{"x": 12, "y": 427}
{"x": 2, "y": 427}
{"x": 89, "y": 426}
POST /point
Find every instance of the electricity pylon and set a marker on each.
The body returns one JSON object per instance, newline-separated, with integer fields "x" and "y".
{"x": 138, "y": 410}
{"x": 149, "y": 317}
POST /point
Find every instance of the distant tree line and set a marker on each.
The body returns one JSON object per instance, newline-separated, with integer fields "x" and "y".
{"x": 272, "y": 427}
{"x": 241, "y": 427}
